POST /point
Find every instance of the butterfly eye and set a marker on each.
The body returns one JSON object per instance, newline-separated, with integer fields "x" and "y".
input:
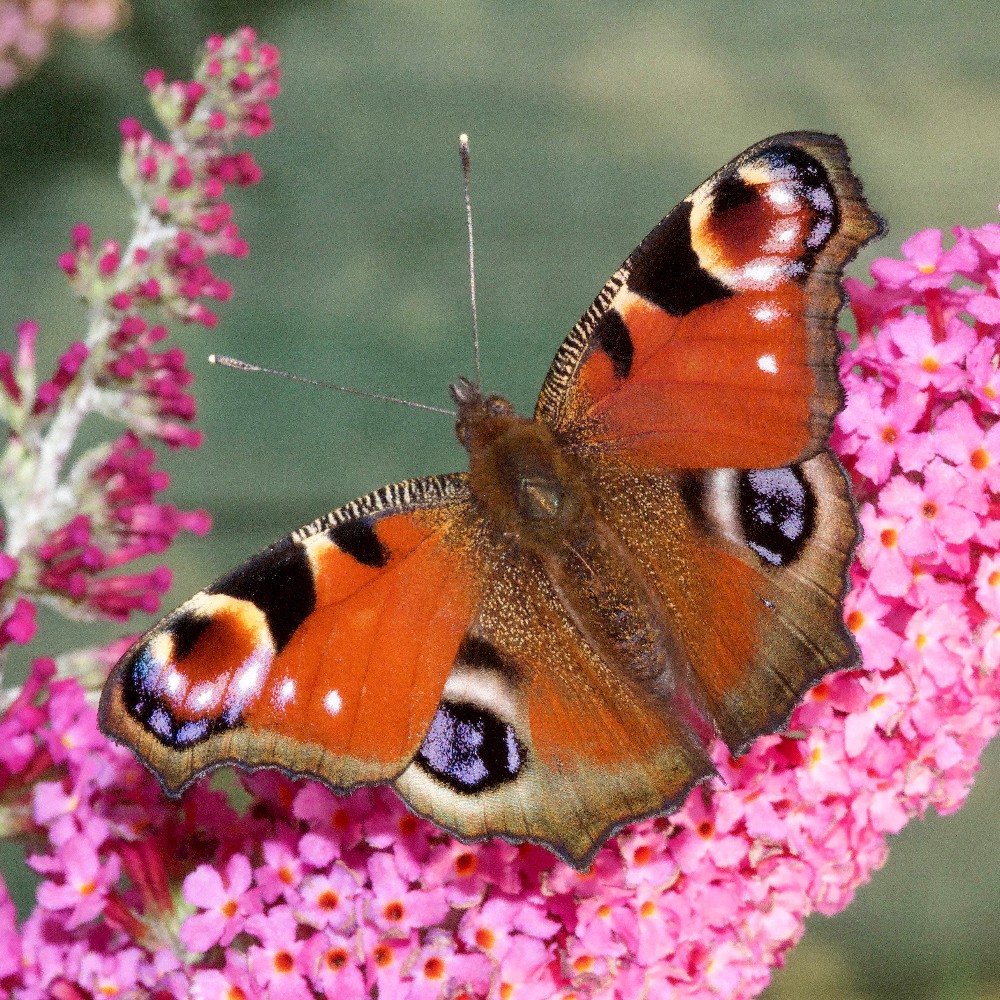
{"x": 497, "y": 406}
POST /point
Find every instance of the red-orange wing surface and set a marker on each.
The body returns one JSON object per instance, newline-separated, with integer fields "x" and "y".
{"x": 714, "y": 345}
{"x": 326, "y": 654}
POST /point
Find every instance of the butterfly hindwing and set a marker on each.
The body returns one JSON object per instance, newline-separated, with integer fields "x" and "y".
{"x": 751, "y": 567}
{"x": 326, "y": 654}
{"x": 536, "y": 738}
{"x": 713, "y": 346}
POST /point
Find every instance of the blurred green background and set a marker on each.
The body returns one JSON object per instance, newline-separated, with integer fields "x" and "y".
{"x": 588, "y": 121}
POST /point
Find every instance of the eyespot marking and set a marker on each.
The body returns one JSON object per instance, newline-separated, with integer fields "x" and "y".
{"x": 470, "y": 750}
{"x": 777, "y": 511}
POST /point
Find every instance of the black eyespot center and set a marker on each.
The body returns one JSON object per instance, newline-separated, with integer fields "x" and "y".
{"x": 777, "y": 510}
{"x": 470, "y": 749}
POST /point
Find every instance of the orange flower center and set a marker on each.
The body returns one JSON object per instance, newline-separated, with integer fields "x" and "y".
{"x": 485, "y": 938}
{"x": 889, "y": 537}
{"x": 434, "y": 968}
{"x": 283, "y": 962}
{"x": 889, "y": 434}
{"x": 393, "y": 911}
{"x": 328, "y": 900}
{"x": 229, "y": 909}
{"x": 336, "y": 958}
{"x": 643, "y": 855}
{"x": 930, "y": 364}
{"x": 980, "y": 458}
{"x": 855, "y": 620}
{"x": 466, "y": 863}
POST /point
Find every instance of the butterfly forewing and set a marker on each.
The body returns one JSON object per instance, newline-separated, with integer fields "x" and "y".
{"x": 326, "y": 654}
{"x": 714, "y": 344}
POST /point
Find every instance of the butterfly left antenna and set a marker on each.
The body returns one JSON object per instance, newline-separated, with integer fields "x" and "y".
{"x": 245, "y": 366}
{"x": 463, "y": 152}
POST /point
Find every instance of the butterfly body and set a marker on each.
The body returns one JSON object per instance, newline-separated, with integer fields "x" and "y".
{"x": 543, "y": 648}
{"x": 540, "y": 508}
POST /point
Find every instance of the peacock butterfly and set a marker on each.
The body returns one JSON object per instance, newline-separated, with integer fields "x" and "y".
{"x": 542, "y": 647}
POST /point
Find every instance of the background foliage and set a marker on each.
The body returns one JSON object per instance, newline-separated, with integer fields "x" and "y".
{"x": 588, "y": 121}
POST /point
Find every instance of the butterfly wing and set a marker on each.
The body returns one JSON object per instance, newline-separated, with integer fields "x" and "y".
{"x": 751, "y": 569}
{"x": 535, "y": 738}
{"x": 699, "y": 389}
{"x": 713, "y": 345}
{"x": 326, "y": 654}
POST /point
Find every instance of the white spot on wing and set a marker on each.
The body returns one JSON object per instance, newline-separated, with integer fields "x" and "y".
{"x": 248, "y": 681}
{"x": 768, "y": 313}
{"x": 207, "y": 694}
{"x": 781, "y": 195}
{"x": 332, "y": 701}
{"x": 174, "y": 682}
{"x": 285, "y": 693}
{"x": 761, "y": 273}
{"x": 768, "y": 363}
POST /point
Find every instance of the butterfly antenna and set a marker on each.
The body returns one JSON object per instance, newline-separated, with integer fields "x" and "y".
{"x": 245, "y": 366}
{"x": 463, "y": 152}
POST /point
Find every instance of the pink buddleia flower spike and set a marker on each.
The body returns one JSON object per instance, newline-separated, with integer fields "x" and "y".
{"x": 73, "y": 528}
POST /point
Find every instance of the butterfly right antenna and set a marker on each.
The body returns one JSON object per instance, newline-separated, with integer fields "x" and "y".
{"x": 463, "y": 152}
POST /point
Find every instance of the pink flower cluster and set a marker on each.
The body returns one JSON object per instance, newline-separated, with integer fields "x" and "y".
{"x": 70, "y": 532}
{"x": 27, "y": 27}
{"x": 305, "y": 895}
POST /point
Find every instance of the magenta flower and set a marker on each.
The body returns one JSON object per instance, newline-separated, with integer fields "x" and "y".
{"x": 333, "y": 966}
{"x": 925, "y": 264}
{"x": 73, "y": 529}
{"x": 78, "y": 881}
{"x": 275, "y": 961}
{"x": 328, "y": 899}
{"x": 224, "y": 900}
